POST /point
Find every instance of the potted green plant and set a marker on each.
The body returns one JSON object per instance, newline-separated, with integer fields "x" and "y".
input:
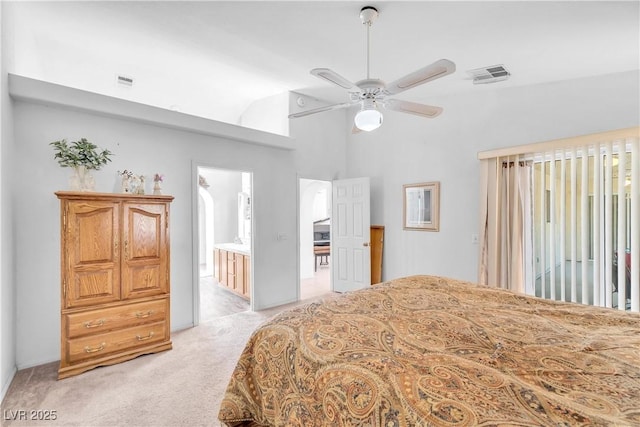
{"x": 82, "y": 156}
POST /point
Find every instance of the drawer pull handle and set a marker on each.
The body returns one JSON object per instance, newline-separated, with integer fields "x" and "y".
{"x": 88, "y": 349}
{"x": 144, "y": 338}
{"x": 141, "y": 315}
{"x": 97, "y": 324}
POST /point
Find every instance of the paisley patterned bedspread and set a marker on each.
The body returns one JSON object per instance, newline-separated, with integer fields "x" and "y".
{"x": 431, "y": 351}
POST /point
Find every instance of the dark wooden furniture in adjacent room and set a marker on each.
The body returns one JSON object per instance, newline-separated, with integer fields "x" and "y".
{"x": 377, "y": 243}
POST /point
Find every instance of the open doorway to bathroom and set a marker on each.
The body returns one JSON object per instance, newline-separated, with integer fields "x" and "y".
{"x": 224, "y": 241}
{"x": 315, "y": 238}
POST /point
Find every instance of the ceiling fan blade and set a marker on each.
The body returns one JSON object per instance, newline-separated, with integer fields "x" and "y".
{"x": 335, "y": 78}
{"x": 422, "y": 110}
{"x": 431, "y": 72}
{"x": 320, "y": 110}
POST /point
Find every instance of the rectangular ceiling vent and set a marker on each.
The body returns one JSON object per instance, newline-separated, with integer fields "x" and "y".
{"x": 124, "y": 80}
{"x": 492, "y": 74}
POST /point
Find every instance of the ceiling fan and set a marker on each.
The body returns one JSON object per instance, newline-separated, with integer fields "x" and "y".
{"x": 372, "y": 94}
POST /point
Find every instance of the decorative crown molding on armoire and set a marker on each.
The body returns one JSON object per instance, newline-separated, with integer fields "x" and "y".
{"x": 115, "y": 278}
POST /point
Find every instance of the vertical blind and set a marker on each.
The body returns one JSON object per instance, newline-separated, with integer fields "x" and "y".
{"x": 585, "y": 218}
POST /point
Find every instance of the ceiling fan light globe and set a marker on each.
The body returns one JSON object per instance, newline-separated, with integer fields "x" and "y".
{"x": 368, "y": 120}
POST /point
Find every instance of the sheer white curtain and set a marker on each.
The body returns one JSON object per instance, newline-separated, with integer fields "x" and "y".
{"x": 506, "y": 228}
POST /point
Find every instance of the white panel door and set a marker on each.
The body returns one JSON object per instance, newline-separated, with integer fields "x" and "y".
{"x": 350, "y": 230}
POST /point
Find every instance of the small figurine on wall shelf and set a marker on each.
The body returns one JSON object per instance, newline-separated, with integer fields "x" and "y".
{"x": 131, "y": 183}
{"x": 138, "y": 184}
{"x": 126, "y": 180}
{"x": 157, "y": 179}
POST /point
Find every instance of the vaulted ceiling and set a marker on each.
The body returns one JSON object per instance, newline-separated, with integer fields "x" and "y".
{"x": 241, "y": 51}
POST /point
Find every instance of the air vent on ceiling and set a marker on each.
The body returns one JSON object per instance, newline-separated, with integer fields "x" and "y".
{"x": 492, "y": 74}
{"x": 124, "y": 80}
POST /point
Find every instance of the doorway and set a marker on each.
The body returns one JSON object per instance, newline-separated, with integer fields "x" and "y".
{"x": 224, "y": 225}
{"x": 315, "y": 238}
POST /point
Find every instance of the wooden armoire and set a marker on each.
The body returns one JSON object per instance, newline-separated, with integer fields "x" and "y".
{"x": 115, "y": 272}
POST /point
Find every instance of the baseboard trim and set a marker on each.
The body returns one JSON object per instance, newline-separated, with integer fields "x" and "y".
{"x": 7, "y": 384}
{"x": 276, "y": 304}
{"x": 29, "y": 365}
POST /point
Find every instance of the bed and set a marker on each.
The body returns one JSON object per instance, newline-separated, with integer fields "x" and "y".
{"x": 433, "y": 351}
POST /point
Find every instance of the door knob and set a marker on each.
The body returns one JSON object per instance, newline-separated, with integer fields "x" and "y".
{"x": 365, "y": 244}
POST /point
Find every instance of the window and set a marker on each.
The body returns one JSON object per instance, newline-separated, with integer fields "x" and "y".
{"x": 582, "y": 221}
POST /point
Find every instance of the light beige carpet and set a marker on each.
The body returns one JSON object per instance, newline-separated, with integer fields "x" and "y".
{"x": 179, "y": 387}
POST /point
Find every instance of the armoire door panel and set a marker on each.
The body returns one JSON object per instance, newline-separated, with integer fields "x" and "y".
{"x": 143, "y": 235}
{"x": 96, "y": 223}
{"x": 93, "y": 269}
{"x": 144, "y": 280}
{"x": 94, "y": 285}
{"x": 145, "y": 268}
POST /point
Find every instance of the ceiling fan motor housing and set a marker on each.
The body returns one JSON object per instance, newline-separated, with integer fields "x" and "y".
{"x": 371, "y": 88}
{"x": 368, "y": 14}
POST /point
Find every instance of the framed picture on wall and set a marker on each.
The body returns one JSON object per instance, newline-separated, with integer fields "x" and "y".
{"x": 421, "y": 206}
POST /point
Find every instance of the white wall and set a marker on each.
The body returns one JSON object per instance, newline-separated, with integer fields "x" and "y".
{"x": 320, "y": 141}
{"x": 321, "y": 154}
{"x": 7, "y": 278}
{"x": 205, "y": 232}
{"x": 409, "y": 149}
{"x": 224, "y": 186}
{"x": 144, "y": 149}
{"x": 268, "y": 114}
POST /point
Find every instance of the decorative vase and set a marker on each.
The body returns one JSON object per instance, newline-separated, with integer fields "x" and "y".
{"x": 157, "y": 190}
{"x": 81, "y": 180}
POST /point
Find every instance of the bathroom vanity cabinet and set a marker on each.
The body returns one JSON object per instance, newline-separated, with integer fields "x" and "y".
{"x": 233, "y": 268}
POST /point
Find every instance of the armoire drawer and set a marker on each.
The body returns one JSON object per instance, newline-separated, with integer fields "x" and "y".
{"x": 107, "y": 319}
{"x": 99, "y": 345}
